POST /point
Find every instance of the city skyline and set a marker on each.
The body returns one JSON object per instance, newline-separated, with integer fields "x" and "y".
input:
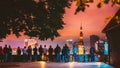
{"x": 90, "y": 19}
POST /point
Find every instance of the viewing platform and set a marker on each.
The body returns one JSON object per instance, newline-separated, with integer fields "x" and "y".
{"x": 42, "y": 64}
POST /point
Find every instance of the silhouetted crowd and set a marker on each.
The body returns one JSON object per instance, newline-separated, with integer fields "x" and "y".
{"x": 28, "y": 54}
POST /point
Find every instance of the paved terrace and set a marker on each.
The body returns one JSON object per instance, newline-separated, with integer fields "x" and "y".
{"x": 42, "y": 64}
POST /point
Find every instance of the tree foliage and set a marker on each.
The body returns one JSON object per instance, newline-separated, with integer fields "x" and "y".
{"x": 82, "y": 4}
{"x": 40, "y": 19}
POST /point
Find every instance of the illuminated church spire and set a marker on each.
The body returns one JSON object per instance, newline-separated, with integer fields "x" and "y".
{"x": 81, "y": 43}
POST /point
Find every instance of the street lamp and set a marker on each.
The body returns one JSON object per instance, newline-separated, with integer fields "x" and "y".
{"x": 117, "y": 19}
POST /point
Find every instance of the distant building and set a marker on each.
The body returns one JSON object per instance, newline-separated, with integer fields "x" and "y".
{"x": 101, "y": 45}
{"x": 93, "y": 39}
{"x": 30, "y": 42}
{"x": 69, "y": 42}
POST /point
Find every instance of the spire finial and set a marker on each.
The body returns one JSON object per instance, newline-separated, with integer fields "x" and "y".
{"x": 81, "y": 26}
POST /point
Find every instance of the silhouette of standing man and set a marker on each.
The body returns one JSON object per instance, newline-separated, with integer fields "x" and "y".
{"x": 6, "y": 53}
{"x": 40, "y": 52}
{"x": 50, "y": 50}
{"x": 92, "y": 51}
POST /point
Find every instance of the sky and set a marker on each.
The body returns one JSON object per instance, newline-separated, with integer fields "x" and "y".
{"x": 92, "y": 20}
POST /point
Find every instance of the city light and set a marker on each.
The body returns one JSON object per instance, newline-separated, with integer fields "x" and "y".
{"x": 71, "y": 64}
{"x": 42, "y": 64}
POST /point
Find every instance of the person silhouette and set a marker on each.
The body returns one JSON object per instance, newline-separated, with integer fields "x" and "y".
{"x": 40, "y": 52}
{"x": 18, "y": 54}
{"x": 6, "y": 53}
{"x": 92, "y": 51}
{"x": 74, "y": 50}
{"x": 1, "y": 54}
{"x": 45, "y": 52}
{"x": 50, "y": 51}
{"x": 24, "y": 50}
{"x": 57, "y": 53}
{"x": 35, "y": 53}
{"x": 29, "y": 51}
{"x": 9, "y": 53}
{"x": 67, "y": 53}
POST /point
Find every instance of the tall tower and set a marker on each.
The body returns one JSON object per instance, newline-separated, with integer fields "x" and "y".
{"x": 81, "y": 43}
